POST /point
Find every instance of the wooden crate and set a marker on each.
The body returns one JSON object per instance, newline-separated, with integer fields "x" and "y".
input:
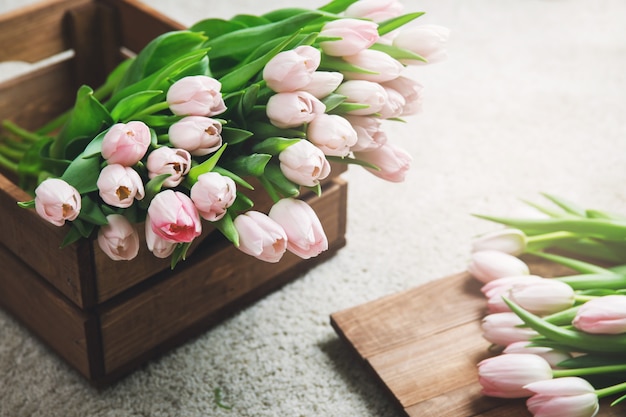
{"x": 105, "y": 317}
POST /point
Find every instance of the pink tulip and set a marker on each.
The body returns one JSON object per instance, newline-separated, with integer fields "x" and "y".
{"x": 496, "y": 289}
{"x": 356, "y": 35}
{"x": 164, "y": 160}
{"x": 118, "y": 239}
{"x": 567, "y": 396}
{"x": 363, "y": 92}
{"x": 159, "y": 247}
{"x": 126, "y": 144}
{"x": 489, "y": 265}
{"x": 292, "y": 70}
{"x": 394, "y": 106}
{"x": 196, "y": 95}
{"x": 323, "y": 83}
{"x": 286, "y": 110}
{"x": 392, "y": 161}
{"x": 603, "y": 315}
{"x": 305, "y": 234}
{"x": 511, "y": 241}
{"x": 385, "y": 68}
{"x": 120, "y": 186}
{"x": 428, "y": 41}
{"x": 56, "y": 201}
{"x": 369, "y": 132}
{"x": 212, "y": 195}
{"x": 174, "y": 217}
{"x": 543, "y": 297}
{"x": 331, "y": 133}
{"x": 504, "y": 328}
{"x": 505, "y": 376}
{"x": 304, "y": 163}
{"x": 376, "y": 10}
{"x": 260, "y": 236}
{"x": 552, "y": 356}
{"x": 197, "y": 134}
{"x": 411, "y": 90}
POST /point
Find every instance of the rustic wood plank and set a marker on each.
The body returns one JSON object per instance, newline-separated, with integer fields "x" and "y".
{"x": 35, "y": 32}
{"x": 420, "y": 347}
{"x": 218, "y": 278}
{"x": 390, "y": 321}
{"x": 59, "y": 324}
{"x": 63, "y": 268}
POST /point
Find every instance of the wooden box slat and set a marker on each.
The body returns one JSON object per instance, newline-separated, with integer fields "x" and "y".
{"x": 423, "y": 345}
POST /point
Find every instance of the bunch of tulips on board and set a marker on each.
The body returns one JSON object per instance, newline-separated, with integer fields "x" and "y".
{"x": 176, "y": 133}
{"x": 563, "y": 339}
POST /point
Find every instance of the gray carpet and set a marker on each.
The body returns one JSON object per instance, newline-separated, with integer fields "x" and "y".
{"x": 532, "y": 99}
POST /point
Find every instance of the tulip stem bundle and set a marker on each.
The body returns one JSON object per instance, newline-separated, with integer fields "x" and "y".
{"x": 178, "y": 134}
{"x": 581, "y": 321}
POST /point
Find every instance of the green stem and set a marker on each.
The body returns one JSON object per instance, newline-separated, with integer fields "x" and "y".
{"x": 592, "y": 370}
{"x": 20, "y": 132}
{"x": 13, "y": 154}
{"x": 584, "y": 298}
{"x": 609, "y": 281}
{"x": 155, "y": 108}
{"x": 8, "y": 165}
{"x": 538, "y": 242}
{"x": 614, "y": 389}
{"x": 575, "y": 264}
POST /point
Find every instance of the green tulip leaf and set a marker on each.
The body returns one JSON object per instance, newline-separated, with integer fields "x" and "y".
{"x": 214, "y": 28}
{"x": 227, "y": 227}
{"x": 332, "y": 101}
{"x": 128, "y": 106}
{"x": 284, "y": 186}
{"x": 397, "y": 22}
{"x": 337, "y": 6}
{"x": 238, "y": 180}
{"x": 91, "y": 212}
{"x": 76, "y": 232}
{"x": 179, "y": 254}
{"x": 87, "y": 119}
{"x": 397, "y": 53}
{"x": 231, "y": 135}
{"x": 274, "y": 145}
{"x": 284, "y": 13}
{"x": 242, "y": 203}
{"x": 161, "y": 52}
{"x": 249, "y": 20}
{"x": 206, "y": 166}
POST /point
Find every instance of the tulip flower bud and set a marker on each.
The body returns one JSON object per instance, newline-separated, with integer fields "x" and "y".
{"x": 394, "y": 106}
{"x": 489, "y": 265}
{"x": 504, "y": 328}
{"x": 196, "y": 134}
{"x": 376, "y": 10}
{"x": 118, "y": 239}
{"x": 392, "y": 161}
{"x": 126, "y": 144}
{"x": 370, "y": 134}
{"x": 292, "y": 70}
{"x": 511, "y": 241}
{"x": 159, "y": 247}
{"x": 505, "y": 376}
{"x": 603, "y": 315}
{"x": 363, "y": 92}
{"x": 304, "y": 163}
{"x": 212, "y": 195}
{"x": 323, "y": 83}
{"x": 552, "y": 356}
{"x": 496, "y": 289}
{"x": 428, "y": 41}
{"x": 174, "y": 217}
{"x": 56, "y": 201}
{"x": 305, "y": 234}
{"x": 196, "y": 95}
{"x": 384, "y": 67}
{"x": 410, "y": 90}
{"x": 356, "y": 35}
{"x": 565, "y": 396}
{"x": 120, "y": 186}
{"x": 260, "y": 236}
{"x": 164, "y": 160}
{"x": 331, "y": 133}
{"x": 287, "y": 110}
{"x": 542, "y": 297}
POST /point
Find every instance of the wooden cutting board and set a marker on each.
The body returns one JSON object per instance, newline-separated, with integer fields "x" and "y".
{"x": 423, "y": 344}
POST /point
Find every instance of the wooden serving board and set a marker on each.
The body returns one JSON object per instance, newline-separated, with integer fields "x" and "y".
{"x": 423, "y": 344}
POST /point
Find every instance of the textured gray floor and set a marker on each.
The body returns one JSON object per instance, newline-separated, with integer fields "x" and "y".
{"x": 531, "y": 100}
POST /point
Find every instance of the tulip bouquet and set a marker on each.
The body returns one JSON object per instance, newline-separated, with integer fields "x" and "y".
{"x": 179, "y": 132}
{"x": 563, "y": 339}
